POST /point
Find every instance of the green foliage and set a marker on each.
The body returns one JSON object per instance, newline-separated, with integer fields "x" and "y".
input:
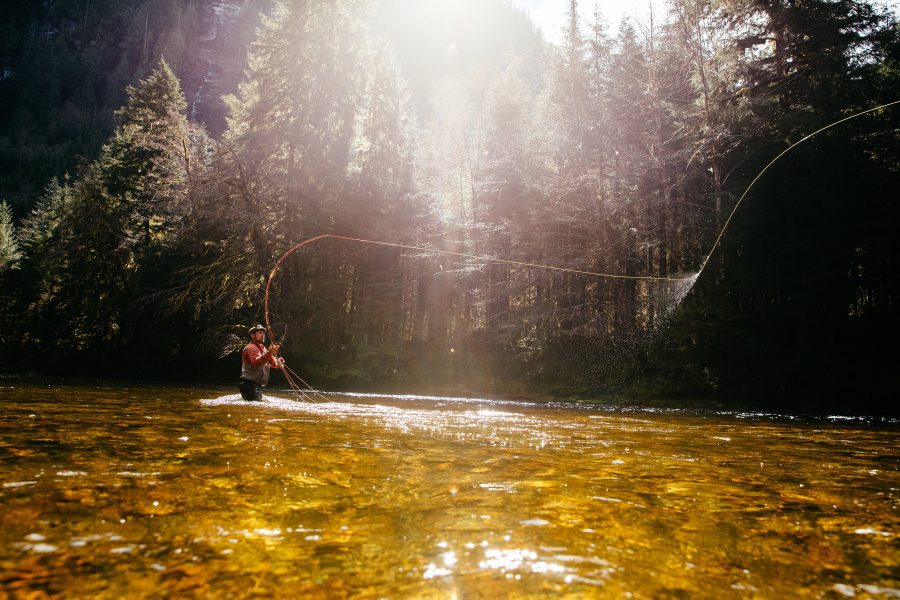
{"x": 65, "y": 66}
{"x": 9, "y": 248}
{"x": 97, "y": 248}
{"x": 617, "y": 154}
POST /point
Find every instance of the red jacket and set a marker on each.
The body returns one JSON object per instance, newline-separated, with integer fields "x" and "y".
{"x": 256, "y": 355}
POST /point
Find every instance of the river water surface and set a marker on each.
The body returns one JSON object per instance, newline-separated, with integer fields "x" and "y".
{"x": 143, "y": 491}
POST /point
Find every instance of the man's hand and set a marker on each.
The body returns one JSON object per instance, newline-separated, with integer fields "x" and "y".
{"x": 273, "y": 349}
{"x": 280, "y": 363}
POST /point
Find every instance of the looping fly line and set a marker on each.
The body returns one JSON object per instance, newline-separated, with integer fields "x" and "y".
{"x": 292, "y": 377}
{"x": 448, "y": 253}
{"x": 773, "y": 161}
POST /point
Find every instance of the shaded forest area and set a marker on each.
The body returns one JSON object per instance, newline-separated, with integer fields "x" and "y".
{"x": 144, "y": 213}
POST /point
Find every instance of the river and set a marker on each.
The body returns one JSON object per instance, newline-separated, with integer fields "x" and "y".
{"x": 141, "y": 491}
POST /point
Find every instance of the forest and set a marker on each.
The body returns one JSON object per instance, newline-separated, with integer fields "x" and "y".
{"x": 152, "y": 171}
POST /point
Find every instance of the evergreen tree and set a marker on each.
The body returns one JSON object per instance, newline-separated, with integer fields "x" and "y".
{"x": 64, "y": 67}
{"x": 38, "y": 229}
{"x": 9, "y": 249}
{"x": 9, "y": 262}
{"x": 149, "y": 156}
{"x": 96, "y": 248}
{"x": 32, "y": 313}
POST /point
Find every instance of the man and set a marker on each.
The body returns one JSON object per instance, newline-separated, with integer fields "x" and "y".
{"x": 256, "y": 360}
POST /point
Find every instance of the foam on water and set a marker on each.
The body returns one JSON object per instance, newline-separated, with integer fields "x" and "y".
{"x": 291, "y": 404}
{"x": 405, "y": 396}
{"x": 455, "y": 420}
{"x": 346, "y": 409}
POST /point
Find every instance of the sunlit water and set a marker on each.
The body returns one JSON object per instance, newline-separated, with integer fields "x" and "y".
{"x": 145, "y": 491}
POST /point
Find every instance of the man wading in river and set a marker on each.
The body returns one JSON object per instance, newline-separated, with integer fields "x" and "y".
{"x": 256, "y": 360}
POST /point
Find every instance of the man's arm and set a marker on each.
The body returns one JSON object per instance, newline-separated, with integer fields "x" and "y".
{"x": 258, "y": 358}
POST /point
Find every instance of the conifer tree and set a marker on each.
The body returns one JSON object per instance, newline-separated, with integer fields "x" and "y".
{"x": 34, "y": 313}
{"x": 150, "y": 154}
{"x": 317, "y": 142}
{"x": 96, "y": 247}
{"x": 9, "y": 249}
{"x": 42, "y": 224}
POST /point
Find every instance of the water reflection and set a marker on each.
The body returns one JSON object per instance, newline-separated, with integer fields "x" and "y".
{"x": 144, "y": 491}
